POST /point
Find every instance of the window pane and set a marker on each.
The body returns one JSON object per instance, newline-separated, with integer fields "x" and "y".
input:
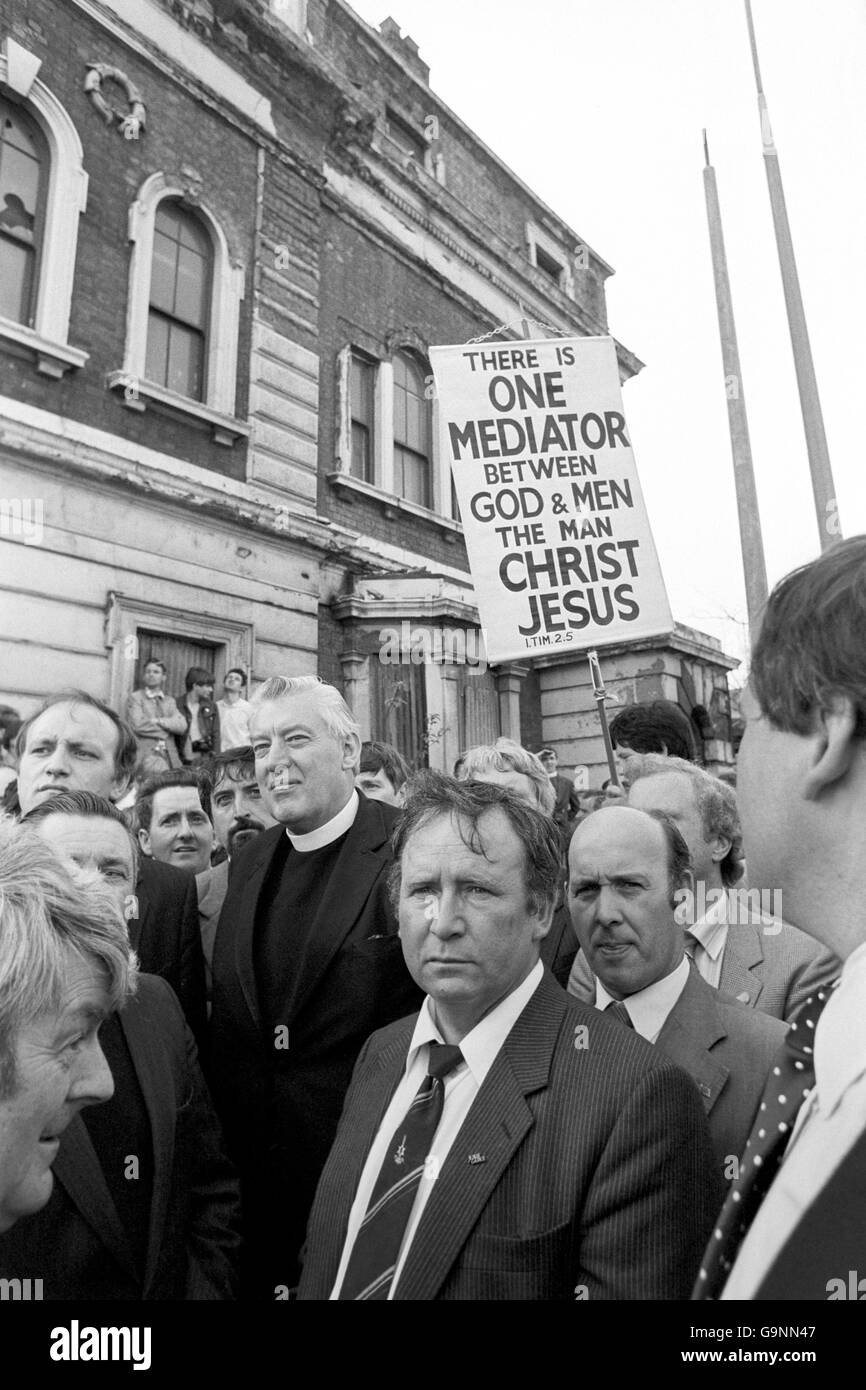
{"x": 411, "y": 477}
{"x": 19, "y": 188}
{"x": 189, "y": 303}
{"x": 163, "y": 273}
{"x": 185, "y": 355}
{"x": 361, "y": 452}
{"x": 16, "y": 269}
{"x": 361, "y": 391}
{"x": 180, "y": 290}
{"x": 156, "y": 366}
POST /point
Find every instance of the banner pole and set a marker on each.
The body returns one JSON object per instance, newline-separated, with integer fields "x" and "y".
{"x": 600, "y": 694}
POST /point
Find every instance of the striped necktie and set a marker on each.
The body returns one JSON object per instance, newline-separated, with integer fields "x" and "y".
{"x": 789, "y": 1082}
{"x": 619, "y": 1011}
{"x": 373, "y": 1261}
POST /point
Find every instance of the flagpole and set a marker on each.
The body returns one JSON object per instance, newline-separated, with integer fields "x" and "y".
{"x": 751, "y": 540}
{"x": 826, "y": 505}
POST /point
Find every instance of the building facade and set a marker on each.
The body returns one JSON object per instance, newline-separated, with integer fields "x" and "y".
{"x": 230, "y": 231}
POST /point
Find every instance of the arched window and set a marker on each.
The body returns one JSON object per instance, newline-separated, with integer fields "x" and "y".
{"x": 23, "y": 178}
{"x": 180, "y": 291}
{"x": 183, "y": 311}
{"x": 412, "y": 468}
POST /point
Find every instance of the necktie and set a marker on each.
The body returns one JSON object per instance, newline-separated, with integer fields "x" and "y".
{"x": 370, "y": 1271}
{"x": 619, "y": 1011}
{"x": 789, "y": 1082}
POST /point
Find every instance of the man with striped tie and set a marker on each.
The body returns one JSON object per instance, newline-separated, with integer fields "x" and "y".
{"x": 507, "y": 1142}
{"x": 794, "y": 1223}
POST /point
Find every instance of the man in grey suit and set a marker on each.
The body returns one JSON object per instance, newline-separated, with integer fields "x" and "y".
{"x": 626, "y": 871}
{"x": 738, "y": 940}
{"x": 505, "y": 1143}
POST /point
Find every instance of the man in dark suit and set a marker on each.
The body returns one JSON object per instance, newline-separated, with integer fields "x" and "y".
{"x": 77, "y": 743}
{"x": 795, "y": 1222}
{"x": 505, "y": 1143}
{"x": 146, "y": 1204}
{"x": 736, "y": 943}
{"x": 626, "y": 870}
{"x": 306, "y": 965}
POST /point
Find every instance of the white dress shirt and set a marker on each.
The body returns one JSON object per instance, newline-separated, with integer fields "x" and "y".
{"x": 711, "y": 935}
{"x": 648, "y": 1008}
{"x": 831, "y": 1119}
{"x": 480, "y": 1049}
{"x": 234, "y": 724}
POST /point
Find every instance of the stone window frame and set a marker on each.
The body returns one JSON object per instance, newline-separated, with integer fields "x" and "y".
{"x": 381, "y": 488}
{"x": 66, "y": 200}
{"x": 537, "y": 239}
{"x": 217, "y": 411}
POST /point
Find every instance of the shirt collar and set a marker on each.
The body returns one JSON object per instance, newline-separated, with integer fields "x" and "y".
{"x": 481, "y": 1046}
{"x": 711, "y": 930}
{"x": 840, "y": 1037}
{"x": 329, "y": 832}
{"x": 649, "y": 1007}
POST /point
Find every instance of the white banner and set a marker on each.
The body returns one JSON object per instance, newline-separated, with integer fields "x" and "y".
{"x": 559, "y": 544}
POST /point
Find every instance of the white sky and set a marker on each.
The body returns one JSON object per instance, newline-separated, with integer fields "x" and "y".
{"x": 599, "y": 105}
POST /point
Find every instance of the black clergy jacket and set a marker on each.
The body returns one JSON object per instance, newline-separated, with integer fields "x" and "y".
{"x": 280, "y": 1091}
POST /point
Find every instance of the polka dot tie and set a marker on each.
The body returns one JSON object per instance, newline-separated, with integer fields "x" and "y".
{"x": 789, "y": 1082}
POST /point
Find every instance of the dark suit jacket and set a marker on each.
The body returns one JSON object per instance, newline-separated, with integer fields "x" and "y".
{"x": 559, "y": 947}
{"x": 208, "y": 723}
{"x": 777, "y": 970}
{"x": 77, "y": 1245}
{"x": 728, "y": 1050}
{"x": 597, "y": 1174}
{"x": 280, "y": 1098}
{"x": 167, "y": 938}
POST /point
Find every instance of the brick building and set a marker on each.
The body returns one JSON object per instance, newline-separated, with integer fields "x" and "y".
{"x": 230, "y": 231}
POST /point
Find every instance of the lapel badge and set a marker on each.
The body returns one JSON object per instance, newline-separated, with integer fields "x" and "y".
{"x": 744, "y": 997}
{"x": 477, "y": 1158}
{"x": 704, "y": 1089}
{"x": 400, "y": 1155}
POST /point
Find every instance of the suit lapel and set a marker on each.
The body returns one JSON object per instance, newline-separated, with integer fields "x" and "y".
{"x": 690, "y": 1031}
{"x": 78, "y": 1171}
{"x": 498, "y": 1121}
{"x": 157, "y": 1086}
{"x": 244, "y": 923}
{"x": 354, "y": 874}
{"x": 742, "y": 952}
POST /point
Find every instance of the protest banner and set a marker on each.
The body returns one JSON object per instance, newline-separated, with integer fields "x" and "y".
{"x": 559, "y": 544}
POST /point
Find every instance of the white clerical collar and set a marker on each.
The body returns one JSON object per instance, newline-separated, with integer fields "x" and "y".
{"x": 329, "y": 832}
{"x": 483, "y": 1043}
{"x": 648, "y": 1008}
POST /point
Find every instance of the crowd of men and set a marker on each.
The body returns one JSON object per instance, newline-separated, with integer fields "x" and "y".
{"x": 281, "y": 1019}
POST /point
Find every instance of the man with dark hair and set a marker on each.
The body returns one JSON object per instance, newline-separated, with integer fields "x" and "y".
{"x": 234, "y": 711}
{"x": 172, "y": 819}
{"x": 306, "y": 965}
{"x": 146, "y": 1205}
{"x": 657, "y": 727}
{"x": 801, "y": 786}
{"x": 627, "y": 872}
{"x": 200, "y": 737}
{"x": 156, "y": 720}
{"x": 736, "y": 937}
{"x": 382, "y": 774}
{"x": 239, "y": 814}
{"x": 74, "y": 742}
{"x": 567, "y": 803}
{"x": 507, "y": 1142}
